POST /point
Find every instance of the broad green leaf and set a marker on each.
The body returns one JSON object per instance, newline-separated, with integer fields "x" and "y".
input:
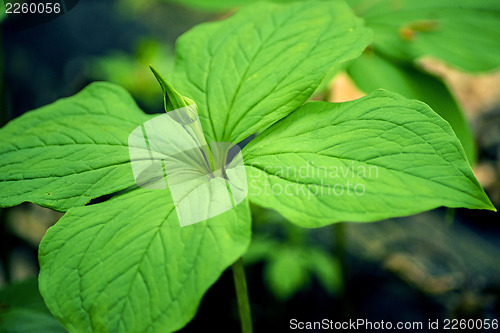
{"x": 252, "y": 69}
{"x": 22, "y": 310}
{"x": 377, "y": 157}
{"x": 260, "y": 248}
{"x": 126, "y": 265}
{"x": 372, "y": 71}
{"x": 66, "y": 153}
{"x": 291, "y": 265}
{"x": 3, "y": 15}
{"x": 29, "y": 321}
{"x": 464, "y": 33}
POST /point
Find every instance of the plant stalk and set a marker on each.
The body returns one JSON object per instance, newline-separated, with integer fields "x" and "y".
{"x": 240, "y": 285}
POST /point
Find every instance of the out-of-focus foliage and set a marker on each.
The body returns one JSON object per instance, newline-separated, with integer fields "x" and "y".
{"x": 22, "y": 310}
{"x": 289, "y": 267}
{"x": 463, "y": 33}
{"x": 29, "y": 321}
{"x": 22, "y": 294}
{"x": 293, "y": 258}
{"x": 218, "y": 5}
{"x": 63, "y": 171}
{"x": 131, "y": 71}
{"x": 372, "y": 71}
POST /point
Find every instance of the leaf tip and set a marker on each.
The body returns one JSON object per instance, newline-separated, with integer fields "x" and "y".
{"x": 159, "y": 78}
{"x": 173, "y": 100}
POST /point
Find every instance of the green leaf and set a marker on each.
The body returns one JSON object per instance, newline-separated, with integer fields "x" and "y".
{"x": 126, "y": 265}
{"x": 66, "y": 153}
{"x": 372, "y": 71}
{"x": 377, "y": 157}
{"x": 463, "y": 33}
{"x": 252, "y": 69}
{"x": 29, "y": 321}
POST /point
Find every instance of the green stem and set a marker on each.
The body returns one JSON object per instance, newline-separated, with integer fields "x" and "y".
{"x": 240, "y": 284}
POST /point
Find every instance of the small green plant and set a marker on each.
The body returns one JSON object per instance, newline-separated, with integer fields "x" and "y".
{"x": 126, "y": 264}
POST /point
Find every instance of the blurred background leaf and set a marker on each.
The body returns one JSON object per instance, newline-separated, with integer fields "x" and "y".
{"x": 463, "y": 33}
{"x": 293, "y": 258}
{"x": 128, "y": 70}
{"x": 373, "y": 71}
{"x": 286, "y": 272}
{"x": 29, "y": 321}
{"x": 22, "y": 310}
